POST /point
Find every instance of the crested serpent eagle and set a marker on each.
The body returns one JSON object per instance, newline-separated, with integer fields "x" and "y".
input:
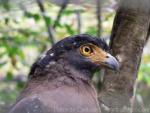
{"x": 60, "y": 81}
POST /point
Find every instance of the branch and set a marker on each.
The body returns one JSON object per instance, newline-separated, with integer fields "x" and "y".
{"x": 98, "y": 13}
{"x": 63, "y": 7}
{"x": 49, "y": 28}
{"x": 78, "y": 21}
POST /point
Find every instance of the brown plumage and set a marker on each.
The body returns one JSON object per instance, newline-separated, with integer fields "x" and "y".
{"x": 60, "y": 82}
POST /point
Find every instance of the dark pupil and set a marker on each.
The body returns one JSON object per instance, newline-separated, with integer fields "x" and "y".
{"x": 87, "y": 49}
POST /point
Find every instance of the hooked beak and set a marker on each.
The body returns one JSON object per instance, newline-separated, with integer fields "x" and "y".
{"x": 111, "y": 62}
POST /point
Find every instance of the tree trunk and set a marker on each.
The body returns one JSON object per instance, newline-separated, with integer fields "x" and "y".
{"x": 128, "y": 38}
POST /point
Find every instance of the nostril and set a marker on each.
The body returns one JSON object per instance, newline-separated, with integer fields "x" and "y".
{"x": 107, "y": 56}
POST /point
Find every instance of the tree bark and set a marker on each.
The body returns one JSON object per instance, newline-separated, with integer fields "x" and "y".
{"x": 128, "y": 38}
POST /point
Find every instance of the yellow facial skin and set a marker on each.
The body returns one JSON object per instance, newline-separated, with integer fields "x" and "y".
{"x": 94, "y": 53}
{"x": 98, "y": 56}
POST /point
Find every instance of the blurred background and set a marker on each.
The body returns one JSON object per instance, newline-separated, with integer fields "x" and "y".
{"x": 28, "y": 28}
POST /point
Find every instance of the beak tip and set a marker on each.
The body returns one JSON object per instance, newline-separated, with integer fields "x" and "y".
{"x": 116, "y": 67}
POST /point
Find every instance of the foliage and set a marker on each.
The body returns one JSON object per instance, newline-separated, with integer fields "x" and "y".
{"x": 144, "y": 72}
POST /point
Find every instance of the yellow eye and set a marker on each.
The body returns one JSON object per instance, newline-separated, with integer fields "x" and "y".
{"x": 86, "y": 50}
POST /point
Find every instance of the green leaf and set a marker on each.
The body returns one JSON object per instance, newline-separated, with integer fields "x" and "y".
{"x": 48, "y": 20}
{"x": 28, "y": 14}
{"x": 69, "y": 29}
{"x": 20, "y": 54}
{"x": 6, "y": 20}
{"x": 68, "y": 12}
{"x": 20, "y": 85}
{"x": 58, "y": 25}
{"x": 36, "y": 17}
{"x": 9, "y": 76}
